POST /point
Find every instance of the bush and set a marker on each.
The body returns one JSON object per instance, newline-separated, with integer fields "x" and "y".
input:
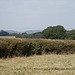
{"x": 4, "y": 49}
{"x": 28, "y": 47}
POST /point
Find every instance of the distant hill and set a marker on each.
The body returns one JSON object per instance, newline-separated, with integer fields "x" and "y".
{"x": 29, "y": 31}
{"x": 12, "y": 31}
{"x": 33, "y": 31}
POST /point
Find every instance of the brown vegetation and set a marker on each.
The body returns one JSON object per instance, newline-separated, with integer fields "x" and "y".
{"x": 27, "y": 47}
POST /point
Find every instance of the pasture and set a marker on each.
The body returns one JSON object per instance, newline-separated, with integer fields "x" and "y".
{"x": 38, "y": 65}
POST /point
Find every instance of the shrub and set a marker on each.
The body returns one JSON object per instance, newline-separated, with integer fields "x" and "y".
{"x": 4, "y": 49}
{"x": 28, "y": 47}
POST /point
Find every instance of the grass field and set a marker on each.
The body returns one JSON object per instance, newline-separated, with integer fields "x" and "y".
{"x": 38, "y": 65}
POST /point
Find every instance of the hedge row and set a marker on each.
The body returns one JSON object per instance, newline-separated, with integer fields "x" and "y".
{"x": 28, "y": 47}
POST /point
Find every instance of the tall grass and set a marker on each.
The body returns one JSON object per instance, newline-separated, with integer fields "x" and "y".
{"x": 38, "y": 64}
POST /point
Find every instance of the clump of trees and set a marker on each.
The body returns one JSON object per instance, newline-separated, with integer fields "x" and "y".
{"x": 72, "y": 34}
{"x": 55, "y": 32}
{"x": 25, "y": 35}
{"x": 58, "y": 32}
{"x": 51, "y": 32}
{"x": 3, "y": 33}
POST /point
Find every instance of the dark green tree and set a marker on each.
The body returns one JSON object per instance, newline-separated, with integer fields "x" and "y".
{"x": 55, "y": 32}
{"x": 3, "y": 33}
{"x": 72, "y": 34}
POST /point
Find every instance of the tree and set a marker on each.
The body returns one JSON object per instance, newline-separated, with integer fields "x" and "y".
{"x": 72, "y": 34}
{"x": 55, "y": 32}
{"x": 3, "y": 33}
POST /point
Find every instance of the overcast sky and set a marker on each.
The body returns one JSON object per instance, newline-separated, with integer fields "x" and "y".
{"x": 22, "y": 15}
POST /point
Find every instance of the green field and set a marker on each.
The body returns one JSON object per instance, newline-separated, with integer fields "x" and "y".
{"x": 38, "y": 65}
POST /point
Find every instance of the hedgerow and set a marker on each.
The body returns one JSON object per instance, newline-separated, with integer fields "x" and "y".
{"x": 28, "y": 47}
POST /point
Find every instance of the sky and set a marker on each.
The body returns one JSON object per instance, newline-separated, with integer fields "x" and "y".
{"x": 22, "y": 15}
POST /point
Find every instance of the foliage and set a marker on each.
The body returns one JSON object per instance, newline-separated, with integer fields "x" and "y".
{"x": 55, "y": 32}
{"x": 51, "y": 32}
{"x": 28, "y": 47}
{"x": 72, "y": 33}
{"x": 25, "y": 35}
{"x": 3, "y": 33}
{"x": 4, "y": 49}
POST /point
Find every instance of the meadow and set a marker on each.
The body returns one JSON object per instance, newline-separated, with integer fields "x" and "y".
{"x": 39, "y": 65}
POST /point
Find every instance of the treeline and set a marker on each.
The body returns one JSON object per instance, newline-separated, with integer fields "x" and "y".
{"x": 58, "y": 32}
{"x": 21, "y": 35}
{"x": 26, "y": 35}
{"x": 28, "y": 47}
{"x": 4, "y": 33}
{"x": 52, "y": 32}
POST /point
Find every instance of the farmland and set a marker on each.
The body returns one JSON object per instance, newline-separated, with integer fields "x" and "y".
{"x": 38, "y": 64}
{"x": 37, "y": 56}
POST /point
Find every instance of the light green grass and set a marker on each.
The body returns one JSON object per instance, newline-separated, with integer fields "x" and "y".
{"x": 38, "y": 65}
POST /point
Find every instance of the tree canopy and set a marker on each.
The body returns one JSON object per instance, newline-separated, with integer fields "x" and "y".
{"x": 3, "y": 33}
{"x": 55, "y": 32}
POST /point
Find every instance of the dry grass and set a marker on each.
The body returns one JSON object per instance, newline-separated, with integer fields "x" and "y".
{"x": 42, "y": 63}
